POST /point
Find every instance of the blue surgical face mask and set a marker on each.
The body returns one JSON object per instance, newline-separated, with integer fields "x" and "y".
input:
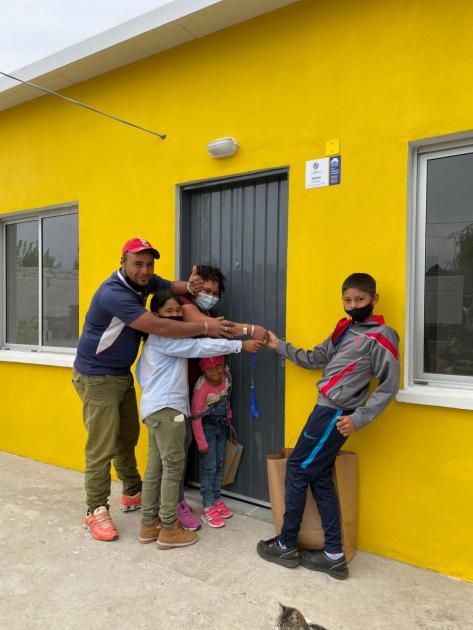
{"x": 205, "y": 301}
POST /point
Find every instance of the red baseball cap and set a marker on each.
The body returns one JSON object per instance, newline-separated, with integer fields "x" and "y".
{"x": 210, "y": 362}
{"x": 136, "y": 245}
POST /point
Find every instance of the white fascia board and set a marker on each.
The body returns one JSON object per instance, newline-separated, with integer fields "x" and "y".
{"x": 59, "y": 69}
{"x": 163, "y": 28}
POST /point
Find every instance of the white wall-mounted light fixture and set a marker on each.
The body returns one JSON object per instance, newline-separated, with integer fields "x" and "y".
{"x": 222, "y": 147}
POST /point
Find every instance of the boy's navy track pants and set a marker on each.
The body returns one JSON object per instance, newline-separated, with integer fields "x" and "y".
{"x": 311, "y": 464}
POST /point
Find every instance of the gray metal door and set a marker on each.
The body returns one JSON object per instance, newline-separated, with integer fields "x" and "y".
{"x": 240, "y": 225}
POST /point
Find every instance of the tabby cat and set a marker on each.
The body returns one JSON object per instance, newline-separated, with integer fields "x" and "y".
{"x": 292, "y": 619}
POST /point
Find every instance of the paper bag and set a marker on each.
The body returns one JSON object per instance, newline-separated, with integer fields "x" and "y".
{"x": 311, "y": 535}
{"x": 232, "y": 458}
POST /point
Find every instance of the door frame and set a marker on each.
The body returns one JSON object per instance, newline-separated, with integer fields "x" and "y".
{"x": 181, "y": 190}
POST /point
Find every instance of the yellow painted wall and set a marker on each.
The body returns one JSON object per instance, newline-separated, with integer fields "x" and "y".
{"x": 374, "y": 74}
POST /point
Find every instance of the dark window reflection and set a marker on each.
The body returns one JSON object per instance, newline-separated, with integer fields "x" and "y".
{"x": 60, "y": 281}
{"x": 448, "y": 319}
{"x": 22, "y": 285}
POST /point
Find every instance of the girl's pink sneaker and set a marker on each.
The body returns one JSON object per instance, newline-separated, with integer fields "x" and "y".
{"x": 224, "y": 510}
{"x": 212, "y": 517}
{"x": 186, "y": 518}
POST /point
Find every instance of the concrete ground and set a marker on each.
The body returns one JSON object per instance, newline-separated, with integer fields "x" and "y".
{"x": 54, "y": 575}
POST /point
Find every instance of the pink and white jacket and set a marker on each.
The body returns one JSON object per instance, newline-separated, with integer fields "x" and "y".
{"x": 204, "y": 395}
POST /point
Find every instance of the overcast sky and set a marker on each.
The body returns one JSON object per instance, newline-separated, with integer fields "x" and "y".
{"x": 32, "y": 29}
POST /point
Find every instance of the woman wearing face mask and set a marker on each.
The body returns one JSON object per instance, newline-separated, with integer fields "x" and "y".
{"x": 162, "y": 374}
{"x": 198, "y": 309}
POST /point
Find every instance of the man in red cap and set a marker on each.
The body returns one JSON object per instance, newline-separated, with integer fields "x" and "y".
{"x": 110, "y": 339}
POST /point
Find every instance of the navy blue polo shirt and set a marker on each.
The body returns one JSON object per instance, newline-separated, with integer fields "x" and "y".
{"x": 107, "y": 344}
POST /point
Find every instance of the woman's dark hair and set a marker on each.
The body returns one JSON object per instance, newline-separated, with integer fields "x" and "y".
{"x": 206, "y": 272}
{"x": 160, "y": 299}
{"x": 361, "y": 281}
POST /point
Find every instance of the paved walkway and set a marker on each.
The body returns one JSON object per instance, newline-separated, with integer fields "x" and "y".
{"x": 53, "y": 575}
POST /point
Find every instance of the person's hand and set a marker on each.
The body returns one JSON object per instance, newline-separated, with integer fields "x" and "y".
{"x": 232, "y": 330}
{"x": 195, "y": 282}
{"x": 346, "y": 426}
{"x": 252, "y": 345}
{"x": 260, "y": 333}
{"x": 219, "y": 327}
{"x": 204, "y": 451}
{"x": 273, "y": 341}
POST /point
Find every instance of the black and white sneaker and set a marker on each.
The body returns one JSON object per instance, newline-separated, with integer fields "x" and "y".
{"x": 271, "y": 551}
{"x": 318, "y": 561}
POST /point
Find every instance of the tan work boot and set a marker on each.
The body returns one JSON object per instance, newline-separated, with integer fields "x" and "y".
{"x": 149, "y": 533}
{"x": 175, "y": 536}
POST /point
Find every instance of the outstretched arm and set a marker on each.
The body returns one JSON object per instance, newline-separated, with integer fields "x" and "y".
{"x": 165, "y": 327}
{"x": 125, "y": 309}
{"x": 197, "y": 348}
{"x": 205, "y": 347}
{"x": 309, "y": 359}
{"x": 193, "y": 314}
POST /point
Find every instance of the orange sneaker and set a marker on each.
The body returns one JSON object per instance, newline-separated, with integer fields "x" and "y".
{"x": 129, "y": 504}
{"x": 100, "y": 524}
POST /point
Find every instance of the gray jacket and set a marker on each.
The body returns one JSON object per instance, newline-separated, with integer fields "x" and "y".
{"x": 351, "y": 356}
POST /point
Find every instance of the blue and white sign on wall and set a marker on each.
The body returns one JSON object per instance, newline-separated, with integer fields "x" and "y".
{"x": 323, "y": 171}
{"x": 334, "y": 169}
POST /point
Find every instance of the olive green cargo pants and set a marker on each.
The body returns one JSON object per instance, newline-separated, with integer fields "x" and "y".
{"x": 111, "y": 420}
{"x": 166, "y": 457}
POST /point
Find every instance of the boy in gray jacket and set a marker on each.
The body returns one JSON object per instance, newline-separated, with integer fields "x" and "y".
{"x": 360, "y": 347}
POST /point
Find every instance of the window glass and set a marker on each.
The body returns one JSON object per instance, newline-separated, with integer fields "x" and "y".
{"x": 22, "y": 283}
{"x": 448, "y": 309}
{"x": 60, "y": 281}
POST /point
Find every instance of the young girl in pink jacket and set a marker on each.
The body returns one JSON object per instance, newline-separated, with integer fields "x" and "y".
{"x": 211, "y": 415}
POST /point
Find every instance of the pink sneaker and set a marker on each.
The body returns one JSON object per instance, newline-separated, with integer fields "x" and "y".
{"x": 225, "y": 511}
{"x": 212, "y": 517}
{"x": 185, "y": 517}
{"x": 129, "y": 504}
{"x": 100, "y": 524}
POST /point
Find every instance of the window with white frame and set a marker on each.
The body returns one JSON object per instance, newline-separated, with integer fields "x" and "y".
{"x": 39, "y": 278}
{"x": 442, "y": 338}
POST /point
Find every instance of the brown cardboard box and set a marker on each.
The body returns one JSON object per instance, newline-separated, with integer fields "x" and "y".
{"x": 311, "y": 535}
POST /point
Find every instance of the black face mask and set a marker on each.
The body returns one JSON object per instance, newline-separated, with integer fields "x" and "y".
{"x": 360, "y": 313}
{"x": 176, "y": 318}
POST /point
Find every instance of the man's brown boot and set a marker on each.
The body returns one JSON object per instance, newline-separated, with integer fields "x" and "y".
{"x": 149, "y": 533}
{"x": 174, "y": 536}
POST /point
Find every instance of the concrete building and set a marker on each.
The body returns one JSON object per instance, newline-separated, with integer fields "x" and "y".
{"x": 355, "y": 153}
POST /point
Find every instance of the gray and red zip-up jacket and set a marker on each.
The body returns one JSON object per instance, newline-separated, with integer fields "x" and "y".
{"x": 351, "y": 356}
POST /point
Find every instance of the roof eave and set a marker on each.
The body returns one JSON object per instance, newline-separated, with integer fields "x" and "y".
{"x": 163, "y": 28}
